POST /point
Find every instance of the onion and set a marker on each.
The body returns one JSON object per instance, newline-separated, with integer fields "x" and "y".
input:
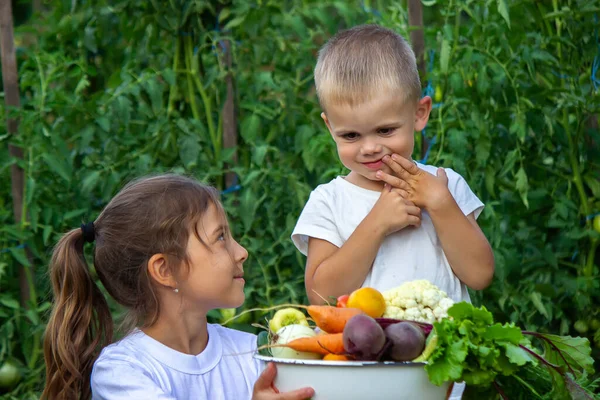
{"x": 286, "y": 335}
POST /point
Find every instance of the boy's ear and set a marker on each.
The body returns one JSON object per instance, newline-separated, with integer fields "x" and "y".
{"x": 326, "y": 121}
{"x": 422, "y": 113}
{"x": 159, "y": 271}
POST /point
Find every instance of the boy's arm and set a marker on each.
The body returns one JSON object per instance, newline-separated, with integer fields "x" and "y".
{"x": 466, "y": 247}
{"x": 333, "y": 271}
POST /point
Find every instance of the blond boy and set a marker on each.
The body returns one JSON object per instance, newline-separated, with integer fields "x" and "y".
{"x": 390, "y": 220}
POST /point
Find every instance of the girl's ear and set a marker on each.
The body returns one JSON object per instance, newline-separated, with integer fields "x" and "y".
{"x": 160, "y": 273}
{"x": 422, "y": 113}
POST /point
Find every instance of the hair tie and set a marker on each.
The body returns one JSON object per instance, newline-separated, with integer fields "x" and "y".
{"x": 89, "y": 233}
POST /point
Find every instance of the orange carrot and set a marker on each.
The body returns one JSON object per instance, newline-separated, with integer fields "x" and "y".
{"x": 336, "y": 357}
{"x": 332, "y": 343}
{"x": 332, "y": 319}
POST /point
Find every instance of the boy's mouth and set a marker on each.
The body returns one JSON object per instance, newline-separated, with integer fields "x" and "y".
{"x": 374, "y": 165}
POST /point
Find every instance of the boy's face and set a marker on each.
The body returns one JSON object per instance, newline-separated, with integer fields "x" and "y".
{"x": 365, "y": 133}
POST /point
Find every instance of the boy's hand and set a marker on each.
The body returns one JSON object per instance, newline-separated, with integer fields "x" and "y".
{"x": 264, "y": 389}
{"x": 393, "y": 212}
{"x": 422, "y": 188}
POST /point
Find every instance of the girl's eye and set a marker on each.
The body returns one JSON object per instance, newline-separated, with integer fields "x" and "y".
{"x": 221, "y": 237}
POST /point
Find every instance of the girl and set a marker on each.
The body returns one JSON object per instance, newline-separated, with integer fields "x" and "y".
{"x": 163, "y": 250}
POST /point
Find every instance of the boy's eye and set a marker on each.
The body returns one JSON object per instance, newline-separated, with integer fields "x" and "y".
{"x": 386, "y": 131}
{"x": 350, "y": 136}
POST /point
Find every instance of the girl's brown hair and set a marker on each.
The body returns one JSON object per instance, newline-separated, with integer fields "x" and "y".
{"x": 149, "y": 216}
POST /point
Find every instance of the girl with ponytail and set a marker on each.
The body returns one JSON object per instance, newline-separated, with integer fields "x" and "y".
{"x": 162, "y": 249}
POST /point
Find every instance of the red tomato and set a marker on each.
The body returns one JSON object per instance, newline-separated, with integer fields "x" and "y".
{"x": 342, "y": 301}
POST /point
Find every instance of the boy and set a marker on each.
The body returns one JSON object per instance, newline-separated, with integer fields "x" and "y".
{"x": 390, "y": 220}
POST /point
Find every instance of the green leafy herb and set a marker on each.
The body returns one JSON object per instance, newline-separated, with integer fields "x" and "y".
{"x": 474, "y": 349}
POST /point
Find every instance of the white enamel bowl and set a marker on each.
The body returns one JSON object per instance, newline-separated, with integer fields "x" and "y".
{"x": 356, "y": 380}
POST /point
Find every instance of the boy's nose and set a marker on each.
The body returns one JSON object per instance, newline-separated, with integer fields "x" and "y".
{"x": 370, "y": 147}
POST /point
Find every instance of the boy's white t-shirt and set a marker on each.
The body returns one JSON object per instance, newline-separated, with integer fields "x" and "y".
{"x": 139, "y": 367}
{"x": 335, "y": 209}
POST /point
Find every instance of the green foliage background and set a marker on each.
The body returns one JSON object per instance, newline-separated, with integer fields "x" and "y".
{"x": 112, "y": 90}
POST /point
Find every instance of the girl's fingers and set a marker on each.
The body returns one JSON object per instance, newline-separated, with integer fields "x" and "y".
{"x": 265, "y": 380}
{"x": 300, "y": 394}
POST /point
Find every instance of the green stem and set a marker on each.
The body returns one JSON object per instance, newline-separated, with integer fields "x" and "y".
{"x": 575, "y": 165}
{"x": 188, "y": 61}
{"x": 441, "y": 132}
{"x": 542, "y": 11}
{"x": 42, "y": 85}
{"x": 588, "y": 268}
{"x": 456, "y": 28}
{"x": 173, "y": 89}
{"x": 588, "y": 271}
{"x": 558, "y": 28}
{"x": 214, "y": 136}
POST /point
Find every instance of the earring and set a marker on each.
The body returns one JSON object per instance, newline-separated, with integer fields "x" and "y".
{"x": 176, "y": 290}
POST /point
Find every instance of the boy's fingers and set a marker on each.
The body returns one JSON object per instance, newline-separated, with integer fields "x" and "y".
{"x": 414, "y": 221}
{"x": 408, "y": 165}
{"x": 300, "y": 394}
{"x": 403, "y": 193}
{"x": 392, "y": 180}
{"x": 441, "y": 173}
{"x": 414, "y": 211}
{"x": 398, "y": 169}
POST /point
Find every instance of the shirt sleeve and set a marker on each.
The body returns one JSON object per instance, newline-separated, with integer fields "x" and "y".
{"x": 122, "y": 380}
{"x": 316, "y": 221}
{"x": 462, "y": 193}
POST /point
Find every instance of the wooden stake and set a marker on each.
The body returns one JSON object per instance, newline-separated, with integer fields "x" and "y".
{"x": 10, "y": 80}
{"x": 417, "y": 36}
{"x": 417, "y": 39}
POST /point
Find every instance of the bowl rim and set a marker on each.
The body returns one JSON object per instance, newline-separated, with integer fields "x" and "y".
{"x": 332, "y": 363}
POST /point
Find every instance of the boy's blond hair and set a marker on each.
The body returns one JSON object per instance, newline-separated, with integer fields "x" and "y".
{"x": 364, "y": 61}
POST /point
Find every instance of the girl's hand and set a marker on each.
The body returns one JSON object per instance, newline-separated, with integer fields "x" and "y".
{"x": 393, "y": 212}
{"x": 422, "y": 188}
{"x": 264, "y": 389}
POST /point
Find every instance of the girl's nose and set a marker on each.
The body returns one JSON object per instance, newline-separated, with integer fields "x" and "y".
{"x": 241, "y": 254}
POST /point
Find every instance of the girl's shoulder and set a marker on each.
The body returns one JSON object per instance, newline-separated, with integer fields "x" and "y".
{"x": 127, "y": 349}
{"x": 234, "y": 338}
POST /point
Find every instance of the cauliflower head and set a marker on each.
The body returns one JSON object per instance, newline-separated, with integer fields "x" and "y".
{"x": 418, "y": 300}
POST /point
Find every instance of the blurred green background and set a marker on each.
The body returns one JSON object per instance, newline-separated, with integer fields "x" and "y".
{"x": 111, "y": 90}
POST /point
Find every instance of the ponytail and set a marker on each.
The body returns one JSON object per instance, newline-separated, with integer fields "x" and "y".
{"x": 80, "y": 324}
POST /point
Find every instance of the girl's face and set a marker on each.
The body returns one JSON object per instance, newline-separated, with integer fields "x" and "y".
{"x": 215, "y": 276}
